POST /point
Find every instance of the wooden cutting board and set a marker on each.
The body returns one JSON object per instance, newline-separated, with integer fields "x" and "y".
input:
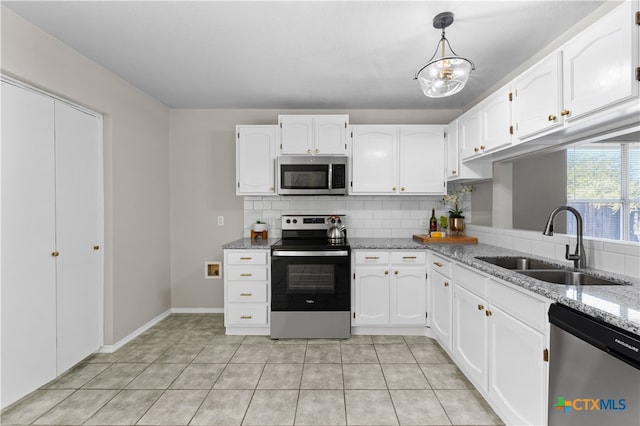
{"x": 423, "y": 238}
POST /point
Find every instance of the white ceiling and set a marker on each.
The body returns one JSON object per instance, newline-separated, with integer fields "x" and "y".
{"x": 300, "y": 54}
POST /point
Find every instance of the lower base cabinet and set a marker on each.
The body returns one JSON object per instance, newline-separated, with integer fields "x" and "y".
{"x": 499, "y": 338}
{"x": 389, "y": 288}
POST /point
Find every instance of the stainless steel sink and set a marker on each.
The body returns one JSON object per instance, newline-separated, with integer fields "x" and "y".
{"x": 568, "y": 277}
{"x": 518, "y": 263}
{"x": 547, "y": 272}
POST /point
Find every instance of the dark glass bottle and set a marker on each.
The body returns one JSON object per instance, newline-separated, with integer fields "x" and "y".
{"x": 433, "y": 222}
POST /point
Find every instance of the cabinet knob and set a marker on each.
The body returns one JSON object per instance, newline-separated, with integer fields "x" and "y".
{"x": 55, "y": 254}
{"x": 308, "y": 151}
{"x": 393, "y": 189}
{"x": 482, "y": 147}
{"x": 454, "y": 172}
{"x": 386, "y": 272}
{"x": 565, "y": 112}
{"x": 488, "y": 313}
{"x": 402, "y": 189}
{"x": 96, "y": 248}
{"x": 476, "y": 149}
{"x": 480, "y": 307}
{"x": 395, "y": 272}
{"x": 271, "y": 189}
{"x": 317, "y": 151}
{"x": 446, "y": 284}
{"x": 552, "y": 117}
{"x": 438, "y": 264}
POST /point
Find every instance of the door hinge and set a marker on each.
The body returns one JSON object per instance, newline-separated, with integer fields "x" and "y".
{"x": 238, "y": 135}
{"x": 351, "y": 135}
{"x": 510, "y": 130}
{"x": 345, "y": 146}
{"x": 426, "y": 314}
{"x": 354, "y": 275}
{"x": 545, "y": 355}
{"x": 426, "y": 275}
{"x": 510, "y": 96}
{"x": 638, "y": 18}
{"x": 354, "y": 315}
{"x": 280, "y": 147}
{"x": 638, "y": 73}
{"x": 281, "y": 125}
{"x": 345, "y": 124}
{"x": 238, "y": 184}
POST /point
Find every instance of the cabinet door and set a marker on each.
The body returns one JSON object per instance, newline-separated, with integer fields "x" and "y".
{"x": 469, "y": 133}
{"x": 453, "y": 155}
{"x": 255, "y": 160}
{"x": 421, "y": 152}
{"x": 296, "y": 134}
{"x": 78, "y": 236}
{"x": 330, "y": 134}
{"x": 407, "y": 295}
{"x": 495, "y": 114}
{"x": 538, "y": 98}
{"x": 518, "y": 372}
{"x": 374, "y": 160}
{"x": 470, "y": 335}
{"x": 441, "y": 296}
{"x": 371, "y": 295}
{"x": 28, "y": 240}
{"x": 599, "y": 63}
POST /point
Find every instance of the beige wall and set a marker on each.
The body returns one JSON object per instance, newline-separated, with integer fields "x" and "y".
{"x": 136, "y": 167}
{"x": 203, "y": 188}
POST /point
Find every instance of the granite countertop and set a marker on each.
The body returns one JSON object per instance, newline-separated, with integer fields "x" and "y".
{"x": 616, "y": 305}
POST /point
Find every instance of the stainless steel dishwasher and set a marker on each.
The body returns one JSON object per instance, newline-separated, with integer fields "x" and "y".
{"x": 594, "y": 371}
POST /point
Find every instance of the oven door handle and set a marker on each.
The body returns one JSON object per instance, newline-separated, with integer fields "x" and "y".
{"x": 310, "y": 253}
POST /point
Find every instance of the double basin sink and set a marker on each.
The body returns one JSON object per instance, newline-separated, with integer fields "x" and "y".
{"x": 547, "y": 272}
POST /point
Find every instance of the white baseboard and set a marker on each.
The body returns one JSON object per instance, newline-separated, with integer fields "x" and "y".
{"x": 112, "y": 348}
{"x": 197, "y": 310}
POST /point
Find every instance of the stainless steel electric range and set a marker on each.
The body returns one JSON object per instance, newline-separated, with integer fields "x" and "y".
{"x": 310, "y": 279}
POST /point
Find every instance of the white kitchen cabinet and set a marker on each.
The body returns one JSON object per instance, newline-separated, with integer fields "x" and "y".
{"x": 469, "y": 134}
{"x": 537, "y": 98}
{"x": 255, "y": 159}
{"x": 456, "y": 170}
{"x": 313, "y": 134}
{"x": 51, "y": 238}
{"x": 441, "y": 300}
{"x": 247, "y": 290}
{"x": 499, "y": 341}
{"x": 495, "y": 120}
{"x": 398, "y": 160}
{"x": 374, "y": 159}
{"x": 470, "y": 324}
{"x": 599, "y": 64}
{"x": 389, "y": 288}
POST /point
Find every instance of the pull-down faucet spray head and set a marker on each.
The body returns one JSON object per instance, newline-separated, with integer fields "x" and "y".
{"x": 578, "y": 257}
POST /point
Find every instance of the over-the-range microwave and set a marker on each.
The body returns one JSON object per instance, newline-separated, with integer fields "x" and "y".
{"x": 312, "y": 175}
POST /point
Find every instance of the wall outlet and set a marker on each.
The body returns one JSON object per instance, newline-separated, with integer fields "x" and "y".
{"x": 220, "y": 220}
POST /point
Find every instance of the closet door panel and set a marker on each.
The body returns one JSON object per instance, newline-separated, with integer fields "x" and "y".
{"x": 28, "y": 238}
{"x": 78, "y": 195}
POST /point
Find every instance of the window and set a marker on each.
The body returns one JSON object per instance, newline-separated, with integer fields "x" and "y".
{"x": 603, "y": 184}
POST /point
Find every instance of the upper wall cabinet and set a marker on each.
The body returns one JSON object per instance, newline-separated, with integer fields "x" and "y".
{"x": 458, "y": 170}
{"x": 495, "y": 120}
{"x": 397, "y": 160}
{"x": 313, "y": 134}
{"x": 255, "y": 160}
{"x": 537, "y": 98}
{"x": 599, "y": 63}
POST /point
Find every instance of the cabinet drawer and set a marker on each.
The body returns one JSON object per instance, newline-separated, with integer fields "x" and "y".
{"x": 246, "y": 314}
{"x": 528, "y": 309}
{"x": 408, "y": 257}
{"x": 470, "y": 280}
{"x": 372, "y": 257}
{"x": 247, "y": 273}
{"x": 440, "y": 264}
{"x": 244, "y": 292}
{"x": 247, "y": 258}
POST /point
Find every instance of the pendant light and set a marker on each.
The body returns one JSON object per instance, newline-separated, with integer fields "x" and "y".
{"x": 448, "y": 74}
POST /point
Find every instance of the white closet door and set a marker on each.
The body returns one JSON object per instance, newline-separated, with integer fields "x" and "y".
{"x": 78, "y": 196}
{"x": 28, "y": 237}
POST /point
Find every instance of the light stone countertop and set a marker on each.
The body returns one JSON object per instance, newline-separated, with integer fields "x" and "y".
{"x": 616, "y": 305}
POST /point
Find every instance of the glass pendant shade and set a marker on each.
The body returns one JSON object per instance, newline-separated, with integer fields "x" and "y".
{"x": 448, "y": 74}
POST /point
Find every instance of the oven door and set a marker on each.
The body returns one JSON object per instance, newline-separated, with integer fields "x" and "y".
{"x": 310, "y": 280}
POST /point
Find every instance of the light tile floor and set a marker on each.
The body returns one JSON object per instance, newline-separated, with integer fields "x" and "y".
{"x": 186, "y": 371}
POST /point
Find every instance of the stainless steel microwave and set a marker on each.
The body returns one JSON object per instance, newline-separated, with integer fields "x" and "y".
{"x": 312, "y": 175}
